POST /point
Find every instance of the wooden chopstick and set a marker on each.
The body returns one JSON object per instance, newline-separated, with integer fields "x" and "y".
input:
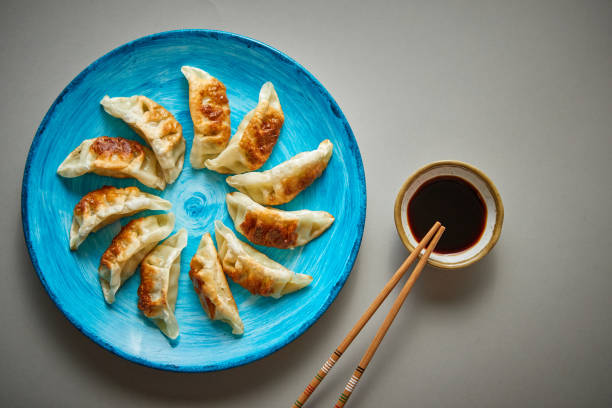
{"x": 367, "y": 357}
{"x": 364, "y": 319}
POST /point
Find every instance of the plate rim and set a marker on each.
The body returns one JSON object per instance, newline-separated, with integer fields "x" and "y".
{"x": 260, "y": 353}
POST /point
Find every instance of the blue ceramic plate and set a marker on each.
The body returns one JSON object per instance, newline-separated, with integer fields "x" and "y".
{"x": 151, "y": 66}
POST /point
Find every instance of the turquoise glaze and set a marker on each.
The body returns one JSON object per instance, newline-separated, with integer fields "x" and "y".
{"x": 151, "y": 66}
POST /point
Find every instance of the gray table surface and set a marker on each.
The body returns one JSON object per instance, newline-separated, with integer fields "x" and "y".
{"x": 522, "y": 90}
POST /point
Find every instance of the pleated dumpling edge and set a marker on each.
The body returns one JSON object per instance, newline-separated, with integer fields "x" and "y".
{"x": 210, "y": 284}
{"x": 252, "y": 269}
{"x": 158, "y": 290}
{"x": 255, "y": 138}
{"x": 210, "y": 114}
{"x": 283, "y": 182}
{"x": 129, "y": 247}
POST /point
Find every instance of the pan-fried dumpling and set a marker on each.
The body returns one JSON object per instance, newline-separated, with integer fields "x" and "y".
{"x": 159, "y": 273}
{"x": 253, "y": 270}
{"x": 275, "y": 228}
{"x": 106, "y": 205}
{"x": 155, "y": 125}
{"x": 135, "y": 240}
{"x": 114, "y": 157}
{"x": 282, "y": 183}
{"x": 211, "y": 286}
{"x": 255, "y": 138}
{"x": 210, "y": 113}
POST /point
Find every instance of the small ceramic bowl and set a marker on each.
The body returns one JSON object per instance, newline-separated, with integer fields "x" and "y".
{"x": 486, "y": 189}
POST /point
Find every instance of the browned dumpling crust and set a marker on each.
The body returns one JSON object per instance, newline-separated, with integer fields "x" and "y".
{"x": 210, "y": 284}
{"x": 106, "y": 205}
{"x": 156, "y": 125}
{"x": 115, "y": 153}
{"x": 255, "y": 138}
{"x": 114, "y": 157}
{"x": 273, "y": 227}
{"x": 92, "y": 201}
{"x": 284, "y": 182}
{"x": 158, "y": 290}
{"x": 260, "y": 136}
{"x": 210, "y": 114}
{"x": 264, "y": 228}
{"x": 147, "y": 304}
{"x": 292, "y": 186}
{"x": 252, "y": 269}
{"x": 135, "y": 240}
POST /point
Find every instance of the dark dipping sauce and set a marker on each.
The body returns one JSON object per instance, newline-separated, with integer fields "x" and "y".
{"x": 456, "y": 204}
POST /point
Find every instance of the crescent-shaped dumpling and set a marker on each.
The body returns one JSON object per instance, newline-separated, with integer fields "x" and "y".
{"x": 275, "y": 228}
{"x": 159, "y": 273}
{"x": 253, "y": 270}
{"x": 135, "y": 240}
{"x": 106, "y": 205}
{"x": 255, "y": 138}
{"x": 156, "y": 125}
{"x": 114, "y": 157}
{"x": 210, "y": 113}
{"x": 282, "y": 183}
{"x": 211, "y": 286}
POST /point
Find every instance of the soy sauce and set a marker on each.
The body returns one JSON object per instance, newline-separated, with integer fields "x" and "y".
{"x": 456, "y": 204}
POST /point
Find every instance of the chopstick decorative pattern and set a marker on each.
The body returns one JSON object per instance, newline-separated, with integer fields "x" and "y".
{"x": 327, "y": 366}
{"x": 350, "y": 386}
{"x": 318, "y": 378}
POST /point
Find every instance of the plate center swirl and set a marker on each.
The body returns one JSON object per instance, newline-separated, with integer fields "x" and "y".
{"x": 195, "y": 205}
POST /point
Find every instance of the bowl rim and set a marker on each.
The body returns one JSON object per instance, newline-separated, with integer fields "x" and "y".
{"x": 499, "y": 218}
